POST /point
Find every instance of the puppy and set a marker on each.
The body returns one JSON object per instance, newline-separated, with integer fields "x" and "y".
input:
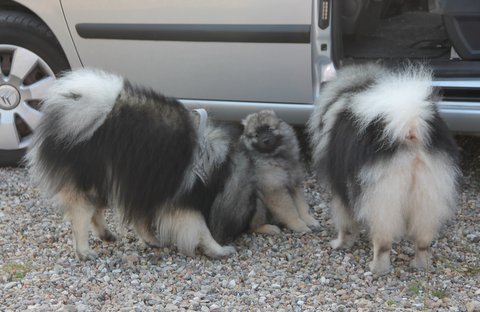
{"x": 391, "y": 162}
{"x": 176, "y": 177}
{"x": 274, "y": 150}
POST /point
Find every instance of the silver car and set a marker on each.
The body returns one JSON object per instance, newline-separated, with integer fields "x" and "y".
{"x": 232, "y": 57}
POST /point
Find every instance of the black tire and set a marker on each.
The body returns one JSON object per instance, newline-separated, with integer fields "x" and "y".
{"x": 27, "y": 31}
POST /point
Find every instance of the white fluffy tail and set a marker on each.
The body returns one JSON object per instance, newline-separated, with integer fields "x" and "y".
{"x": 79, "y": 102}
{"x": 402, "y": 99}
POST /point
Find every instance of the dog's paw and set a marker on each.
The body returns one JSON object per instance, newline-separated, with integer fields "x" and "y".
{"x": 220, "y": 251}
{"x": 224, "y": 251}
{"x": 228, "y": 250}
{"x": 303, "y": 229}
{"x": 86, "y": 255}
{"x": 340, "y": 243}
{"x": 419, "y": 263}
{"x": 336, "y": 243}
{"x": 343, "y": 241}
{"x": 299, "y": 226}
{"x": 108, "y": 236}
{"x": 268, "y": 229}
{"x": 313, "y": 224}
{"x": 422, "y": 258}
{"x": 154, "y": 243}
{"x": 378, "y": 268}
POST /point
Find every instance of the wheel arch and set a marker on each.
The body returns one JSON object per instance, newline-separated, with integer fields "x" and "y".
{"x": 53, "y": 19}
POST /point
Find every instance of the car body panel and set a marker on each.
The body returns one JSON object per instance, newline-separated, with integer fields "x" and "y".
{"x": 236, "y": 71}
{"x": 51, "y": 13}
{"x": 461, "y": 116}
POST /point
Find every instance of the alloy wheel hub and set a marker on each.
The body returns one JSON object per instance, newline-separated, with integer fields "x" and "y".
{"x": 9, "y": 97}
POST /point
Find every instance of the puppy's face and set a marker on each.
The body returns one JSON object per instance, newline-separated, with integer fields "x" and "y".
{"x": 261, "y": 131}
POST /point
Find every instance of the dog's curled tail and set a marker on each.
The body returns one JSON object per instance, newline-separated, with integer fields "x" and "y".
{"x": 77, "y": 105}
{"x": 401, "y": 102}
{"x": 391, "y": 107}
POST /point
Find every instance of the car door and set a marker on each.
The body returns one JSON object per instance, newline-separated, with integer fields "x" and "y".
{"x": 215, "y": 50}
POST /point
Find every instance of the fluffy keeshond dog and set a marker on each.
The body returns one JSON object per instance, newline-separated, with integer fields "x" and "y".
{"x": 274, "y": 150}
{"x": 390, "y": 160}
{"x": 174, "y": 176}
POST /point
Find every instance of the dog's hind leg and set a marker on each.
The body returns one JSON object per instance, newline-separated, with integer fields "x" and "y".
{"x": 346, "y": 226}
{"x": 100, "y": 226}
{"x": 432, "y": 202}
{"x": 424, "y": 221}
{"x": 80, "y": 212}
{"x": 422, "y": 228}
{"x": 382, "y": 211}
{"x": 282, "y": 207}
{"x": 381, "y": 254}
{"x": 303, "y": 209}
{"x": 422, "y": 254}
{"x": 384, "y": 227}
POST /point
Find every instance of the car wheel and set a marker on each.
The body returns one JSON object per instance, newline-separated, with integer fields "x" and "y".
{"x": 30, "y": 57}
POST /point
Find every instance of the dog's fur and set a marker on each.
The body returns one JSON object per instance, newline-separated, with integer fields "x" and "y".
{"x": 273, "y": 147}
{"x": 104, "y": 142}
{"x": 391, "y": 162}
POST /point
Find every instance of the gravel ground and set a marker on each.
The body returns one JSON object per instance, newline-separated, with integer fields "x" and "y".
{"x": 289, "y": 272}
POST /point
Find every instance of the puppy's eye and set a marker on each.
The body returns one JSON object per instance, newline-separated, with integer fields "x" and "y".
{"x": 272, "y": 128}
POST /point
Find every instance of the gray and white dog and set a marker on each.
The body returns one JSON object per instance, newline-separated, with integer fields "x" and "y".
{"x": 174, "y": 177}
{"x": 391, "y": 162}
{"x": 273, "y": 147}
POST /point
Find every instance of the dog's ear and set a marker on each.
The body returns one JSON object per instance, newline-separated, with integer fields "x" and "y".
{"x": 244, "y": 122}
{"x": 247, "y": 119}
{"x": 269, "y": 111}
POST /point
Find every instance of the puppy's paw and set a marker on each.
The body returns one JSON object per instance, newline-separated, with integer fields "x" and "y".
{"x": 268, "y": 229}
{"x": 86, "y": 255}
{"x": 299, "y": 226}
